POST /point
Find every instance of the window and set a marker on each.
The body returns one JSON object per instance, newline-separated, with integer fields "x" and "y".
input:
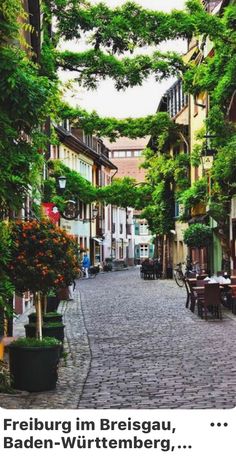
{"x": 89, "y": 141}
{"x": 81, "y": 212}
{"x": 116, "y": 154}
{"x": 86, "y": 170}
{"x": 128, "y": 154}
{"x": 121, "y": 153}
{"x": 99, "y": 148}
{"x": 143, "y": 229}
{"x": 85, "y": 211}
{"x": 144, "y": 251}
{"x": 137, "y": 153}
{"x": 121, "y": 229}
{"x": 66, "y": 124}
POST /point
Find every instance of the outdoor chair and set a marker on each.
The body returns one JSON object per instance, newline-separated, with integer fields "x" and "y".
{"x": 190, "y": 294}
{"x": 211, "y": 301}
{"x": 198, "y": 294}
{"x": 200, "y": 282}
{"x": 147, "y": 271}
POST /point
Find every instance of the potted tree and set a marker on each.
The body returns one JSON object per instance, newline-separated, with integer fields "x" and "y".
{"x": 43, "y": 257}
{"x": 198, "y": 235}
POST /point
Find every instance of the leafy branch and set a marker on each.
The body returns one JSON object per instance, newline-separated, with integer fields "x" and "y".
{"x": 94, "y": 65}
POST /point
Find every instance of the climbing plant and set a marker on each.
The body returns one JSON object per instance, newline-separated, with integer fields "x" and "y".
{"x": 26, "y": 100}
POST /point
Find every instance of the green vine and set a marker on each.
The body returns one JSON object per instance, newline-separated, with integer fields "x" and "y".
{"x": 94, "y": 65}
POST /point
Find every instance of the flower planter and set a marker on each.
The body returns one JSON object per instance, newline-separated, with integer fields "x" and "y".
{"x": 34, "y": 368}
{"x": 47, "y": 330}
{"x": 63, "y": 294}
{"x": 48, "y": 317}
{"x": 52, "y": 304}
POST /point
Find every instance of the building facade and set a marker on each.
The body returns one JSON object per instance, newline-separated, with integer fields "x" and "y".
{"x": 137, "y": 244}
{"x": 88, "y": 156}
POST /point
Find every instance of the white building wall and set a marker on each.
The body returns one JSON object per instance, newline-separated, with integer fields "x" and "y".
{"x": 84, "y": 166}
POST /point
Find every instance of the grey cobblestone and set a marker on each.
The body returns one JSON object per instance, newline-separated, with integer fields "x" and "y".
{"x": 132, "y": 344}
{"x": 149, "y": 351}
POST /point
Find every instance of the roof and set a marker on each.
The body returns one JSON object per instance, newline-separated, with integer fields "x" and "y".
{"x": 79, "y": 146}
{"x": 124, "y": 143}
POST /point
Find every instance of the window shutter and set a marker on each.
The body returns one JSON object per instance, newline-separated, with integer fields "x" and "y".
{"x": 136, "y": 229}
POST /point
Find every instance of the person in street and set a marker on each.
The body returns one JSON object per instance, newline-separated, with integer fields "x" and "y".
{"x": 86, "y": 264}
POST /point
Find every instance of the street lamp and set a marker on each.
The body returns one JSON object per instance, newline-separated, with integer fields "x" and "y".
{"x": 208, "y": 154}
{"x": 61, "y": 182}
{"x": 94, "y": 212}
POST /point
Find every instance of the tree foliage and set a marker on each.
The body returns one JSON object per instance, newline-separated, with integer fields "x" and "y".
{"x": 129, "y": 26}
{"x": 77, "y": 187}
{"x": 111, "y": 33}
{"x": 6, "y": 287}
{"x": 198, "y": 235}
{"x": 26, "y": 100}
{"x": 43, "y": 256}
{"x": 159, "y": 125}
{"x": 94, "y": 65}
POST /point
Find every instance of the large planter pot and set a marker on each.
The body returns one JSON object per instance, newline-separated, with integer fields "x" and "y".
{"x": 63, "y": 294}
{"x": 34, "y": 368}
{"x": 52, "y": 304}
{"x": 48, "y": 317}
{"x": 52, "y": 331}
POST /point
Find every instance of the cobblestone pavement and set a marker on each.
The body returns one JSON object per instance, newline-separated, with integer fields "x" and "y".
{"x": 132, "y": 344}
{"x": 72, "y": 370}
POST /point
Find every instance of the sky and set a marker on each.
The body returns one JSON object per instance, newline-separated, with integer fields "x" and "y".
{"x": 133, "y": 102}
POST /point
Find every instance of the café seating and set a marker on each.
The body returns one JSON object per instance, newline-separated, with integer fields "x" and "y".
{"x": 190, "y": 295}
{"x": 147, "y": 271}
{"x": 192, "y": 274}
{"x": 201, "y": 276}
{"x": 210, "y": 301}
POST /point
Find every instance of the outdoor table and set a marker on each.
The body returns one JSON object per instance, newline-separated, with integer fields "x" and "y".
{"x": 224, "y": 288}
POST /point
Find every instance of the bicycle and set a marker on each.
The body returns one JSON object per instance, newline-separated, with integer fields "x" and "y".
{"x": 92, "y": 273}
{"x": 179, "y": 275}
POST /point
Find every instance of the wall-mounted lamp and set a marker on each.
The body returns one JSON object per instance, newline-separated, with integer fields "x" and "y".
{"x": 61, "y": 182}
{"x": 208, "y": 153}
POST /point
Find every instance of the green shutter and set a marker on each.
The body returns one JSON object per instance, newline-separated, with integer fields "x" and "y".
{"x": 151, "y": 250}
{"x": 136, "y": 228}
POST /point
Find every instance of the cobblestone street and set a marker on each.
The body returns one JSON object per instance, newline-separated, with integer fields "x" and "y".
{"x": 132, "y": 344}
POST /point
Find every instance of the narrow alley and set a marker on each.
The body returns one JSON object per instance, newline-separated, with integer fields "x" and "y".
{"x": 132, "y": 343}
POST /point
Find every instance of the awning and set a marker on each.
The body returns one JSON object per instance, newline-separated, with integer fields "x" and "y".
{"x": 98, "y": 240}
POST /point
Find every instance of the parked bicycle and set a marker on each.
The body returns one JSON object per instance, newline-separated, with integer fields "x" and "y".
{"x": 92, "y": 273}
{"x": 179, "y": 275}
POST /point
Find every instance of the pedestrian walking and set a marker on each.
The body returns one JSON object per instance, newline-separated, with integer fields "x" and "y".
{"x": 86, "y": 264}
